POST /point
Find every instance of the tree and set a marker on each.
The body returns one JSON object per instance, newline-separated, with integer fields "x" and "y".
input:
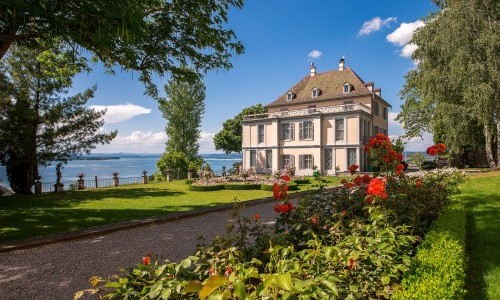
{"x": 149, "y": 36}
{"x": 455, "y": 92}
{"x": 229, "y": 138}
{"x": 183, "y": 109}
{"x": 170, "y": 161}
{"x": 37, "y": 124}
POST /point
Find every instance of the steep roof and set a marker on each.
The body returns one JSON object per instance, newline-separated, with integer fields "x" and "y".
{"x": 331, "y": 85}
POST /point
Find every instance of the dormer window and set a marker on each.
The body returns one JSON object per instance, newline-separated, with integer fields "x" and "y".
{"x": 290, "y": 96}
{"x": 315, "y": 92}
{"x": 347, "y": 88}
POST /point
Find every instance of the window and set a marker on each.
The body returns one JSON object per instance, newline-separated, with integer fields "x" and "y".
{"x": 375, "y": 108}
{"x": 260, "y": 137}
{"x": 287, "y": 132}
{"x": 306, "y": 130}
{"x": 339, "y": 129}
{"x": 384, "y": 113}
{"x": 305, "y": 161}
{"x": 351, "y": 157}
{"x": 328, "y": 159}
{"x": 315, "y": 92}
{"x": 253, "y": 158}
{"x": 289, "y": 96}
{"x": 384, "y": 131}
{"x": 347, "y": 88}
{"x": 375, "y": 130}
{"x": 269, "y": 159}
{"x": 287, "y": 161}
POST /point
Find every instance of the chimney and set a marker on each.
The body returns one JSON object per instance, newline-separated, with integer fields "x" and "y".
{"x": 341, "y": 64}
{"x": 313, "y": 70}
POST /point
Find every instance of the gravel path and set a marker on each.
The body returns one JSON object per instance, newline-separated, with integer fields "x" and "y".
{"x": 58, "y": 270}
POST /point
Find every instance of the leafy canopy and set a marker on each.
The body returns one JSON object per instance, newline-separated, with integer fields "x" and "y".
{"x": 149, "y": 36}
{"x": 230, "y": 138}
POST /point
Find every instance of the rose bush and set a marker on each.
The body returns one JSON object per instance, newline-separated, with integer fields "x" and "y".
{"x": 352, "y": 242}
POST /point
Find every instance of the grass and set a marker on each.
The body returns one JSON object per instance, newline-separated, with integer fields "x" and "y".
{"x": 36, "y": 215}
{"x": 481, "y": 196}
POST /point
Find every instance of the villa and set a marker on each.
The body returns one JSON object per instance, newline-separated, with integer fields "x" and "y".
{"x": 323, "y": 121}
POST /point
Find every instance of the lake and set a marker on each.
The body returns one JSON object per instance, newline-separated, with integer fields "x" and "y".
{"x": 127, "y": 165}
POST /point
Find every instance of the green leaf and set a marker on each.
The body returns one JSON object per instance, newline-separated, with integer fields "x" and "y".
{"x": 354, "y": 288}
{"x": 385, "y": 280}
{"x": 193, "y": 286}
{"x": 113, "y": 285}
{"x": 285, "y": 281}
{"x": 331, "y": 286}
{"x": 155, "y": 290}
{"x": 211, "y": 285}
{"x": 240, "y": 291}
{"x": 160, "y": 270}
{"x": 165, "y": 294}
{"x": 186, "y": 263}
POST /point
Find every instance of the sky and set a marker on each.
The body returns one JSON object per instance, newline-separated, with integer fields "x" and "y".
{"x": 281, "y": 39}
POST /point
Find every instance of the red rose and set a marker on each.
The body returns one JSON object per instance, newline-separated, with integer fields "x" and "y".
{"x": 256, "y": 217}
{"x": 314, "y": 220}
{"x": 343, "y": 213}
{"x": 285, "y": 177}
{"x": 441, "y": 148}
{"x": 418, "y": 182}
{"x": 146, "y": 260}
{"x": 432, "y": 150}
{"x": 277, "y": 208}
{"x": 352, "y": 263}
{"x": 353, "y": 168}
{"x": 349, "y": 185}
{"x": 276, "y": 191}
{"x": 399, "y": 169}
{"x": 284, "y": 208}
{"x": 376, "y": 187}
{"x": 290, "y": 206}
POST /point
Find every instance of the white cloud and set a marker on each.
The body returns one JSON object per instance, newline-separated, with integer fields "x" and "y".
{"x": 375, "y": 24}
{"x": 413, "y": 144}
{"x": 315, "y": 54}
{"x": 403, "y": 34}
{"x": 121, "y": 112}
{"x": 407, "y": 50}
{"x": 150, "y": 142}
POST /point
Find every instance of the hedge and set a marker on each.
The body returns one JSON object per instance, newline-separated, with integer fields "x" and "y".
{"x": 292, "y": 186}
{"x": 242, "y": 186}
{"x": 205, "y": 188}
{"x": 302, "y": 181}
{"x": 438, "y": 268}
{"x": 189, "y": 181}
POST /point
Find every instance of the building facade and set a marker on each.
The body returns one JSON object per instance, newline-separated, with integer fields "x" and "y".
{"x": 324, "y": 121}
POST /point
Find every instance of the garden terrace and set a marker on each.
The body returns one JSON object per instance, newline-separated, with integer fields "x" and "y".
{"x": 310, "y": 111}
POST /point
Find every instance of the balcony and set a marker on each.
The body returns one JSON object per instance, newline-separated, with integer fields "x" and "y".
{"x": 310, "y": 111}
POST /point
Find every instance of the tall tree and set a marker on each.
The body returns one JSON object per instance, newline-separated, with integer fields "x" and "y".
{"x": 183, "y": 108}
{"x": 150, "y": 36}
{"x": 455, "y": 91}
{"x": 230, "y": 137}
{"x": 37, "y": 124}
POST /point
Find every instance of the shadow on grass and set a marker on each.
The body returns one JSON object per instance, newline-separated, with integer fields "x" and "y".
{"x": 29, "y": 223}
{"x": 483, "y": 241}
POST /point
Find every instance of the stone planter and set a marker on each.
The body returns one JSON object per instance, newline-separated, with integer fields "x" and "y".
{"x": 81, "y": 183}
{"x": 190, "y": 174}
{"x": 58, "y": 188}
{"x": 169, "y": 176}
{"x": 38, "y": 187}
{"x": 144, "y": 179}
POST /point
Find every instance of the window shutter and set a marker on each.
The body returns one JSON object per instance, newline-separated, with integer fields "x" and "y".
{"x": 301, "y": 129}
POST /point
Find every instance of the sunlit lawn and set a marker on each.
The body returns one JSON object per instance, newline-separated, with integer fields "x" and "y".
{"x": 27, "y": 216}
{"x": 481, "y": 195}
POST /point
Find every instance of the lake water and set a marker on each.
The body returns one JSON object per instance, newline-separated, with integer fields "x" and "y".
{"x": 127, "y": 165}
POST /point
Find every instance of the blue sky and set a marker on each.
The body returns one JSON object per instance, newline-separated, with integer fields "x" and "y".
{"x": 281, "y": 39}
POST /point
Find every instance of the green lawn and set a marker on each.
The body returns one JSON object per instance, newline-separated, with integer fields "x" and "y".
{"x": 481, "y": 195}
{"x": 27, "y": 216}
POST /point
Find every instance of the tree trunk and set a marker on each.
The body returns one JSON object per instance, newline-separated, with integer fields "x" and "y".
{"x": 490, "y": 154}
{"x": 498, "y": 141}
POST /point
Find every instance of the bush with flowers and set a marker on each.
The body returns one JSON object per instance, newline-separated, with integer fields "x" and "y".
{"x": 354, "y": 242}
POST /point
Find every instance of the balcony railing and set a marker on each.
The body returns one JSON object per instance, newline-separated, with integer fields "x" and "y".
{"x": 310, "y": 111}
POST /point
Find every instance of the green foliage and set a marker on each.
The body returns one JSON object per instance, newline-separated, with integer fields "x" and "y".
{"x": 206, "y": 188}
{"x": 189, "y": 181}
{"x": 242, "y": 186}
{"x": 172, "y": 161}
{"x": 37, "y": 124}
{"x": 438, "y": 269}
{"x": 229, "y": 138}
{"x": 152, "y": 37}
{"x": 457, "y": 75}
{"x": 302, "y": 181}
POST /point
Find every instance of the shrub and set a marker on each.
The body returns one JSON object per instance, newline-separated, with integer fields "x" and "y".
{"x": 205, "y": 188}
{"x": 438, "y": 269}
{"x": 242, "y": 186}
{"x": 302, "y": 181}
{"x": 189, "y": 181}
{"x": 292, "y": 186}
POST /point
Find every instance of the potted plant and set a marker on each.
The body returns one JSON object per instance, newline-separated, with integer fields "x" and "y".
{"x": 337, "y": 170}
{"x": 315, "y": 171}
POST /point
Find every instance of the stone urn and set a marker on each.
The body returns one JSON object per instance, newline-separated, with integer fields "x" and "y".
{"x": 144, "y": 177}
{"x": 116, "y": 179}
{"x": 81, "y": 181}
